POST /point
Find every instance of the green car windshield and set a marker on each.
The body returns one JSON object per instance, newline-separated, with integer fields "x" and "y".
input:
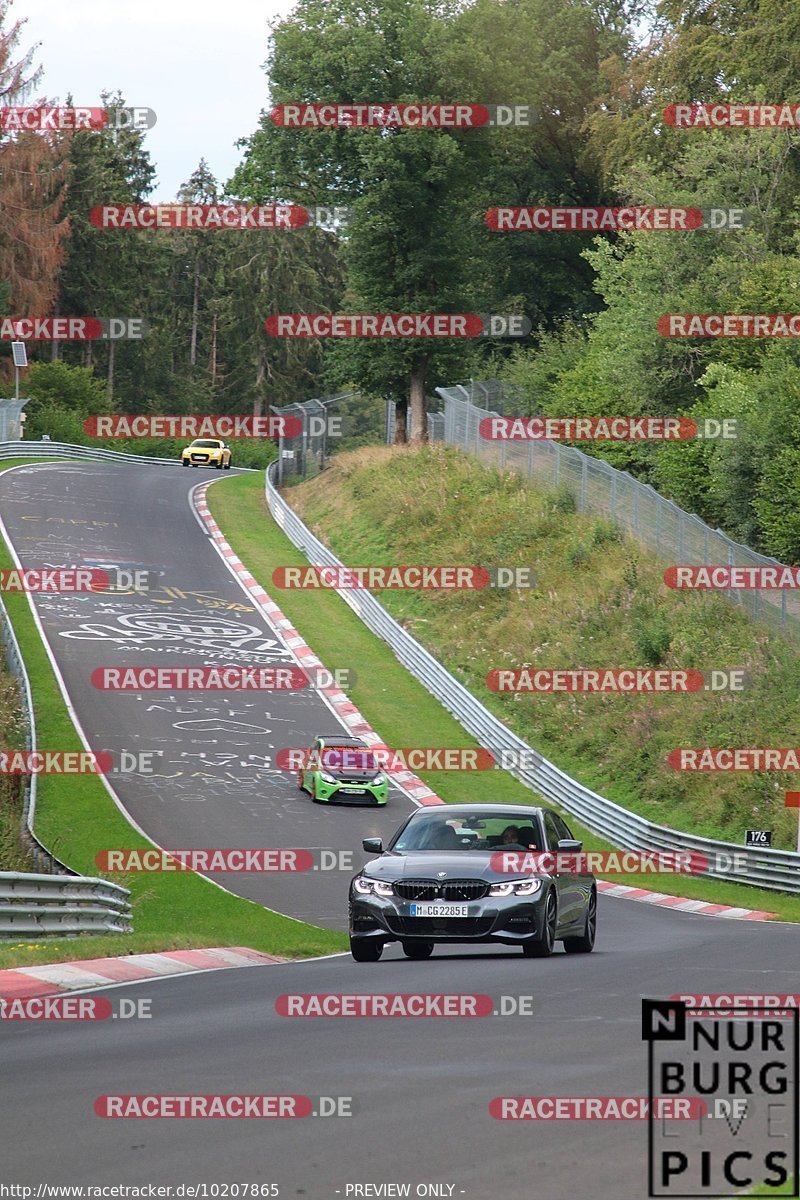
{"x": 346, "y": 759}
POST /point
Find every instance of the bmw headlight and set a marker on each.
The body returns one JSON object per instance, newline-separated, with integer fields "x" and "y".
{"x": 369, "y": 887}
{"x": 518, "y": 887}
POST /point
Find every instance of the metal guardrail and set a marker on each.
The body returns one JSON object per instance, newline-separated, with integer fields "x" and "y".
{"x": 778, "y": 870}
{"x": 66, "y": 450}
{"x": 61, "y": 904}
{"x": 636, "y": 507}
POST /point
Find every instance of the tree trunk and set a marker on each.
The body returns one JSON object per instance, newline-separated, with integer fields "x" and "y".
{"x": 55, "y": 347}
{"x": 110, "y": 375}
{"x": 213, "y": 363}
{"x": 419, "y": 410}
{"x": 258, "y": 399}
{"x": 400, "y": 414}
{"x": 195, "y": 300}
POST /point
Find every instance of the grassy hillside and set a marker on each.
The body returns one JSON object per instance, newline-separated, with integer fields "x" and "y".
{"x": 599, "y": 601}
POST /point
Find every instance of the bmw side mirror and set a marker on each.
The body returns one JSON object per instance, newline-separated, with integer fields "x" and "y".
{"x": 570, "y": 845}
{"x": 373, "y": 845}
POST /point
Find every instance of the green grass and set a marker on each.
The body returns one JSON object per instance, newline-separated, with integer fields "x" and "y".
{"x": 394, "y": 703}
{"x": 599, "y": 601}
{"x": 786, "y": 1190}
{"x": 76, "y": 818}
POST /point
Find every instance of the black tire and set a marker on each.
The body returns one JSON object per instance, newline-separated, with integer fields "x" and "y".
{"x": 585, "y": 943}
{"x": 219, "y": 465}
{"x": 228, "y": 465}
{"x": 543, "y": 947}
{"x": 365, "y": 949}
{"x": 185, "y": 462}
{"x": 418, "y": 949}
{"x": 195, "y": 464}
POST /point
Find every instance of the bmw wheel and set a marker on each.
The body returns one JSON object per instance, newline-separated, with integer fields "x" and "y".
{"x": 418, "y": 949}
{"x": 543, "y": 947}
{"x": 585, "y": 943}
{"x": 365, "y": 949}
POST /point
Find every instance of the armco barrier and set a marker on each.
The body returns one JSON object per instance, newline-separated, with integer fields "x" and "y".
{"x": 766, "y": 868}
{"x": 65, "y": 450}
{"x": 61, "y": 904}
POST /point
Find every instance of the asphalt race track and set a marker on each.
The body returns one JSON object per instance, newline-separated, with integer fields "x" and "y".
{"x": 212, "y": 785}
{"x": 421, "y": 1087}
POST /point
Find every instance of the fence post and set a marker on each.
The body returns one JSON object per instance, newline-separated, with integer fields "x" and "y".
{"x": 583, "y": 484}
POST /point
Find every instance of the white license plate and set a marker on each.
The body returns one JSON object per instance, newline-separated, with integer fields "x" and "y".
{"x": 352, "y": 791}
{"x": 439, "y": 910}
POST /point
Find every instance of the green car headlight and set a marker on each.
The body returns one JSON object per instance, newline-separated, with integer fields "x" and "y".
{"x": 326, "y": 778}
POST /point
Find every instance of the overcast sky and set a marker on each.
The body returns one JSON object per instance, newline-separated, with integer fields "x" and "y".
{"x": 198, "y": 63}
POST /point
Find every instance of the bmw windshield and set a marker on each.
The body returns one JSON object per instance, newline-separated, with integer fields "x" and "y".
{"x": 441, "y": 831}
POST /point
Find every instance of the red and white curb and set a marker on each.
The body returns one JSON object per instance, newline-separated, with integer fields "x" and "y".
{"x": 411, "y": 784}
{"x": 352, "y": 719}
{"x": 703, "y": 907}
{"x": 53, "y": 978}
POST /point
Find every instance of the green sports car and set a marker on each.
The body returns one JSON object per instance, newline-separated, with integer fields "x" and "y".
{"x": 342, "y": 770}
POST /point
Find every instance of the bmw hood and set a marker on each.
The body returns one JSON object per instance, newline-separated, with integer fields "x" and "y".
{"x": 441, "y": 865}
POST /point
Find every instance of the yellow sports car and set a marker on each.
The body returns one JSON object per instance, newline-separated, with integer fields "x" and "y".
{"x": 207, "y": 452}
